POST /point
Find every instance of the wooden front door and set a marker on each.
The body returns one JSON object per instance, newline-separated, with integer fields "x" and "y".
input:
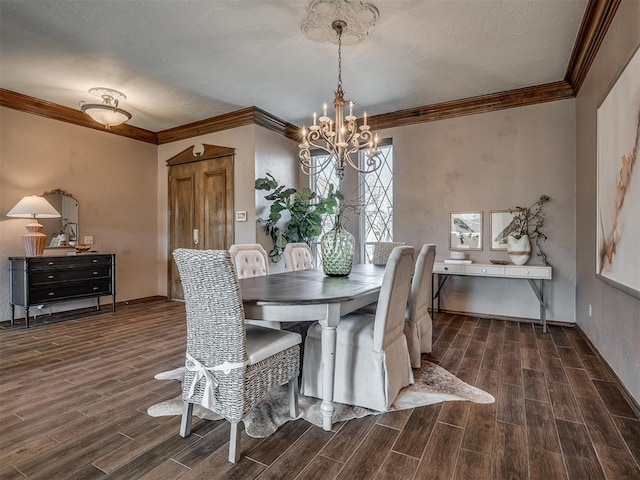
{"x": 200, "y": 204}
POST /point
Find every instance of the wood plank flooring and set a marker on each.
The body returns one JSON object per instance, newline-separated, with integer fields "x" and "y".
{"x": 74, "y": 396}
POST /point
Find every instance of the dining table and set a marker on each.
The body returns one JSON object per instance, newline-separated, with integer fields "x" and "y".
{"x": 310, "y": 295}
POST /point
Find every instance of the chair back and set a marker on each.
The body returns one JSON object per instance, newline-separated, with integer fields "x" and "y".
{"x": 215, "y": 317}
{"x": 250, "y": 260}
{"x": 419, "y": 299}
{"x": 297, "y": 256}
{"x": 394, "y": 293}
{"x": 382, "y": 250}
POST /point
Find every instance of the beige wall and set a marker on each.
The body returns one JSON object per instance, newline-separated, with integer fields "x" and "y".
{"x": 257, "y": 150}
{"x": 112, "y": 177}
{"x": 614, "y": 327}
{"x": 485, "y": 162}
{"x": 276, "y": 155}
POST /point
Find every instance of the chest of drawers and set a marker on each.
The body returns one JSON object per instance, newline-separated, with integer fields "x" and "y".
{"x": 42, "y": 280}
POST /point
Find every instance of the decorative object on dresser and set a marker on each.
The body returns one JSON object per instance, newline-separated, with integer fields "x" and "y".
{"x": 63, "y": 231}
{"x": 465, "y": 231}
{"x": 33, "y": 207}
{"x": 527, "y": 225}
{"x": 42, "y": 280}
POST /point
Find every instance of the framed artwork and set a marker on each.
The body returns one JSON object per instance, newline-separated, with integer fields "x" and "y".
{"x": 618, "y": 182}
{"x": 465, "y": 231}
{"x": 501, "y": 225}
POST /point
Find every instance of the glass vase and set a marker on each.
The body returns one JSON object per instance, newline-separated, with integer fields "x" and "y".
{"x": 337, "y": 248}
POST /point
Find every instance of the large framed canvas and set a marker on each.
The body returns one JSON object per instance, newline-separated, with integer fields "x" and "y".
{"x": 618, "y": 183}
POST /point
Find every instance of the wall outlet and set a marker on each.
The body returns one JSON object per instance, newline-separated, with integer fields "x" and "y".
{"x": 590, "y": 311}
{"x": 88, "y": 240}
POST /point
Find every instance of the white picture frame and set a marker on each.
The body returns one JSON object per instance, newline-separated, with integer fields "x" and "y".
{"x": 465, "y": 231}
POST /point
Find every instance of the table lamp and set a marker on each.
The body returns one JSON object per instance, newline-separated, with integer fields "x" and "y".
{"x": 34, "y": 207}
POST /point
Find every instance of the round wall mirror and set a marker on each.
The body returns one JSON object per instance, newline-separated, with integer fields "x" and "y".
{"x": 61, "y": 232}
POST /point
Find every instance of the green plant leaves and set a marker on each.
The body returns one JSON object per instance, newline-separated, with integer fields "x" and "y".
{"x": 305, "y": 207}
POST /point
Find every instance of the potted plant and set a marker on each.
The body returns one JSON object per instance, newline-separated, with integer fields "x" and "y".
{"x": 305, "y": 209}
{"x": 527, "y": 225}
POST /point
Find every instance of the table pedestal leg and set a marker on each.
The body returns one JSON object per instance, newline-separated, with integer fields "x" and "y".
{"x": 329, "y": 325}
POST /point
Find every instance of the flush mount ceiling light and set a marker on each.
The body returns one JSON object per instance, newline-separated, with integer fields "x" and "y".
{"x": 339, "y": 137}
{"x": 106, "y": 113}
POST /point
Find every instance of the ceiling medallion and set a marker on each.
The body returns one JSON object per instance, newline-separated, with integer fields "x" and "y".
{"x": 358, "y": 18}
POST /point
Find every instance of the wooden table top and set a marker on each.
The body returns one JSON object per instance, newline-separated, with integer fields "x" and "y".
{"x": 305, "y": 287}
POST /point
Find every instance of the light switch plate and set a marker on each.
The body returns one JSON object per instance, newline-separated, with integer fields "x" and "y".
{"x": 88, "y": 240}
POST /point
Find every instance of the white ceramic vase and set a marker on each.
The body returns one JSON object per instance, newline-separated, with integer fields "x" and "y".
{"x": 519, "y": 249}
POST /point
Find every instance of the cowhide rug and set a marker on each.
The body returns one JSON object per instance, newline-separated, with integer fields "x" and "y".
{"x": 433, "y": 384}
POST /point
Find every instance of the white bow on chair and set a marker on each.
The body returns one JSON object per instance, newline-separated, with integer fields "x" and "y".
{"x": 211, "y": 383}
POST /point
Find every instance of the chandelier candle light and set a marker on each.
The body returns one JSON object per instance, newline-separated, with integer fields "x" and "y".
{"x": 342, "y": 137}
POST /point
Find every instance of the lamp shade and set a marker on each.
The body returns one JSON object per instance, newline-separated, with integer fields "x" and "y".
{"x": 33, "y": 206}
{"x": 106, "y": 115}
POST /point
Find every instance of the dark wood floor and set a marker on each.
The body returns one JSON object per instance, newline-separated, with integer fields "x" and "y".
{"x": 74, "y": 396}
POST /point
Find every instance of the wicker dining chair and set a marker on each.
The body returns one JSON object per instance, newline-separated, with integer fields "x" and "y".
{"x": 229, "y": 367}
{"x": 297, "y": 256}
{"x": 371, "y": 359}
{"x": 418, "y": 325}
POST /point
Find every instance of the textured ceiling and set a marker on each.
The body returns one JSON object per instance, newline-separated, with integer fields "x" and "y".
{"x": 181, "y": 61}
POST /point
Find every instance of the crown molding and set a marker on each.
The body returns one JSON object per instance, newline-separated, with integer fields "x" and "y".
{"x": 470, "y": 106}
{"x": 595, "y": 24}
{"x": 238, "y": 118}
{"x": 35, "y": 106}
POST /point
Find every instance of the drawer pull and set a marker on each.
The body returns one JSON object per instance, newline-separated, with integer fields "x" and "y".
{"x": 527, "y": 272}
{"x": 94, "y": 260}
{"x": 51, "y": 294}
{"x": 51, "y": 263}
{"x": 51, "y": 276}
{"x": 96, "y": 273}
{"x": 446, "y": 268}
{"x": 484, "y": 270}
{"x": 96, "y": 288}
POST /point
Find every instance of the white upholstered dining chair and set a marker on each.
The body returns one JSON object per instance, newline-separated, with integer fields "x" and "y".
{"x": 382, "y": 250}
{"x": 229, "y": 368}
{"x": 418, "y": 325}
{"x": 249, "y": 259}
{"x": 371, "y": 360}
{"x": 297, "y": 256}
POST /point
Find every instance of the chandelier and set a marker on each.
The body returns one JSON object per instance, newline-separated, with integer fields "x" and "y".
{"x": 106, "y": 113}
{"x": 339, "y": 137}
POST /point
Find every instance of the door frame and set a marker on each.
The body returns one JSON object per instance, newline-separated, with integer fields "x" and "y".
{"x": 189, "y": 155}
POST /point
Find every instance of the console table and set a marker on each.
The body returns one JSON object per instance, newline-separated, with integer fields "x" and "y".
{"x": 534, "y": 273}
{"x": 42, "y": 280}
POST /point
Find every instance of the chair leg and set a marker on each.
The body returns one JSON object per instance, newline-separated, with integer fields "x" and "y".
{"x": 293, "y": 397}
{"x": 234, "y": 443}
{"x": 185, "y": 424}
